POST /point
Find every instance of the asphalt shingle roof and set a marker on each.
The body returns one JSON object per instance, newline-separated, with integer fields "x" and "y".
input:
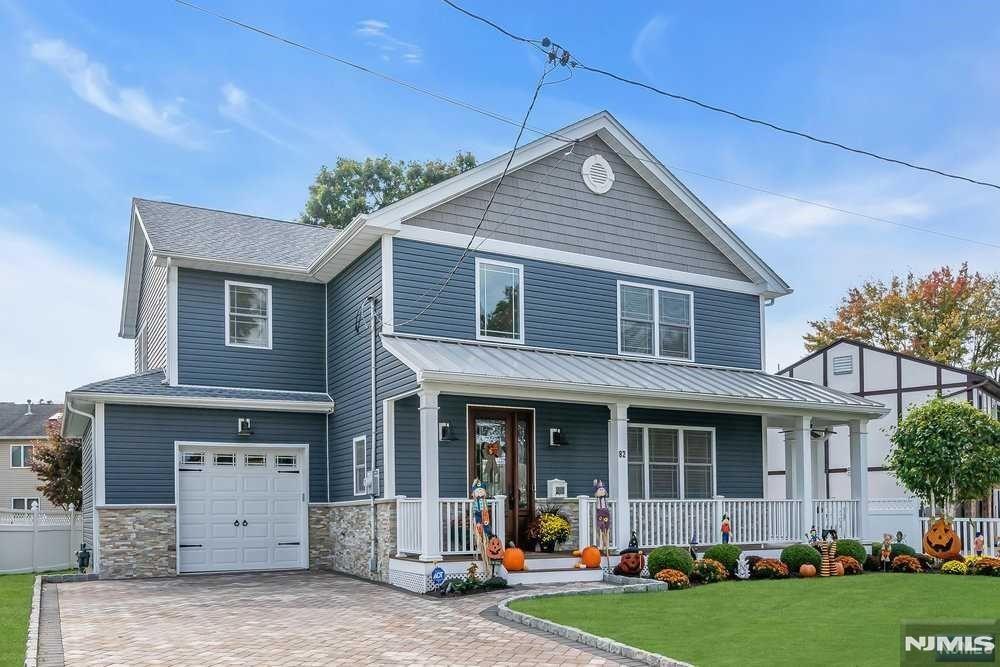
{"x": 232, "y": 237}
{"x": 14, "y": 421}
{"x": 152, "y": 384}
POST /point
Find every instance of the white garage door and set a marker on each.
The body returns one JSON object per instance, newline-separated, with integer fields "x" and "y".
{"x": 241, "y": 508}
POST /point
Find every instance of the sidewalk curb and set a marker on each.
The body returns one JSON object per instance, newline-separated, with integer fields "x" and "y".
{"x": 31, "y": 645}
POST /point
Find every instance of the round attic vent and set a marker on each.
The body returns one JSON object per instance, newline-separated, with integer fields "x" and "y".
{"x": 597, "y": 174}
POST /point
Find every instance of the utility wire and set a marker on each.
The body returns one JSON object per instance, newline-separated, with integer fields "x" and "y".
{"x": 542, "y": 133}
{"x": 576, "y": 62}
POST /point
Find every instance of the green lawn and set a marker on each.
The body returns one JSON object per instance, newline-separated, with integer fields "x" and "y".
{"x": 842, "y": 620}
{"x": 15, "y": 607}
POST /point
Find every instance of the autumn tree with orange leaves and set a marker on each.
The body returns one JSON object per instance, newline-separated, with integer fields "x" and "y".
{"x": 952, "y": 317}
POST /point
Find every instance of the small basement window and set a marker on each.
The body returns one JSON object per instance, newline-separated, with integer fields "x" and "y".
{"x": 843, "y": 365}
{"x": 225, "y": 459}
{"x": 193, "y": 458}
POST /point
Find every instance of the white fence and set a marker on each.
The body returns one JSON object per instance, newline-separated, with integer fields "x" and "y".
{"x": 36, "y": 541}
{"x": 966, "y": 528}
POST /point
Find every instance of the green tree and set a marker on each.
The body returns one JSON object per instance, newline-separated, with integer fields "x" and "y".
{"x": 58, "y": 462}
{"x": 946, "y": 452}
{"x": 352, "y": 187}
{"x": 946, "y": 316}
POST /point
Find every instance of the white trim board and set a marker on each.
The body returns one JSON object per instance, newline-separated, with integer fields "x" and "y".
{"x": 193, "y": 402}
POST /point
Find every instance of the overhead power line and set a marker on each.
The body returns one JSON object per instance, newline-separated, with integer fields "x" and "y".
{"x": 543, "y": 133}
{"x": 576, "y": 62}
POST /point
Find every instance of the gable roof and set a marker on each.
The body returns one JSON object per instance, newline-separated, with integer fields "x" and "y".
{"x": 984, "y": 381}
{"x": 15, "y": 422}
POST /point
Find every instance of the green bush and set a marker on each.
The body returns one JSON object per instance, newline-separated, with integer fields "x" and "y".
{"x": 852, "y": 548}
{"x": 796, "y": 555}
{"x": 727, "y": 554}
{"x": 708, "y": 571}
{"x": 673, "y": 558}
{"x": 897, "y": 549}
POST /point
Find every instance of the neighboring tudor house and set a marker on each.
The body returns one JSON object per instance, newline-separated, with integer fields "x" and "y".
{"x": 898, "y": 380}
{"x": 21, "y": 424}
{"x": 293, "y": 383}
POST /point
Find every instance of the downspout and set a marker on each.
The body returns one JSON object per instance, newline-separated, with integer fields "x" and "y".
{"x": 373, "y": 488}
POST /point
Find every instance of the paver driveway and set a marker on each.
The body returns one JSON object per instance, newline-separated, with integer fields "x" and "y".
{"x": 292, "y": 619}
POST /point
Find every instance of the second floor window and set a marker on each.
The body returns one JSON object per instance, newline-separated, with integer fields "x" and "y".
{"x": 655, "y": 321}
{"x": 20, "y": 456}
{"x": 248, "y": 315}
{"x": 499, "y": 301}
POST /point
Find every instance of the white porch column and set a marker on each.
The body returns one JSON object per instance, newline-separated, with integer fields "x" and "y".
{"x": 818, "y": 467}
{"x": 620, "y": 523}
{"x": 803, "y": 470}
{"x": 859, "y": 474}
{"x": 430, "y": 519}
{"x": 791, "y": 464}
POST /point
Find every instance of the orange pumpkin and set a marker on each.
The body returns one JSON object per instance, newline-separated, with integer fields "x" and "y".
{"x": 941, "y": 541}
{"x": 513, "y": 559}
{"x": 838, "y": 569}
{"x": 590, "y": 557}
{"x": 494, "y": 548}
{"x": 807, "y": 570}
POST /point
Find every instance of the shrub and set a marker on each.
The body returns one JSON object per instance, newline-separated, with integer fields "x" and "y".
{"x": 872, "y": 564}
{"x": 852, "y": 548}
{"x": 708, "y": 571}
{"x": 926, "y": 562}
{"x": 987, "y": 566}
{"x": 851, "y": 564}
{"x": 972, "y": 560}
{"x": 796, "y": 555}
{"x": 954, "y": 567}
{"x": 897, "y": 549}
{"x": 727, "y": 554}
{"x": 906, "y": 563}
{"x": 769, "y": 568}
{"x": 674, "y": 558}
{"x": 673, "y": 578}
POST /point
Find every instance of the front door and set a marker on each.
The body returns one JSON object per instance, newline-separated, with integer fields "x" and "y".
{"x": 501, "y": 448}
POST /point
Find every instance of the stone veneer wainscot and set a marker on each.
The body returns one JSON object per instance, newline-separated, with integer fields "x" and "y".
{"x": 339, "y": 533}
{"x": 137, "y": 542}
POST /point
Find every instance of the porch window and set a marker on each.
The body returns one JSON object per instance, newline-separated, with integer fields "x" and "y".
{"x": 248, "y": 315}
{"x": 360, "y": 464}
{"x": 670, "y": 462}
{"x": 655, "y": 321}
{"x": 499, "y": 301}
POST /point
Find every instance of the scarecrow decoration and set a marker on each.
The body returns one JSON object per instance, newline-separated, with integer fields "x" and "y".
{"x": 941, "y": 541}
{"x": 978, "y": 543}
{"x": 885, "y": 553}
{"x": 488, "y": 545}
{"x": 726, "y": 528}
{"x": 603, "y": 517}
{"x": 828, "y": 552}
{"x": 631, "y": 560}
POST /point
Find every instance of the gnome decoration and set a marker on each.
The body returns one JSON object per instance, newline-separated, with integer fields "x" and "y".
{"x": 885, "y": 553}
{"x": 726, "y": 528}
{"x": 603, "y": 517}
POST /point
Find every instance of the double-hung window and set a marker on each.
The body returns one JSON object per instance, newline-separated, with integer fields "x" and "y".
{"x": 20, "y": 456}
{"x": 667, "y": 462}
{"x": 248, "y": 315}
{"x": 360, "y": 465}
{"x": 499, "y": 301}
{"x": 655, "y": 321}
{"x": 23, "y": 503}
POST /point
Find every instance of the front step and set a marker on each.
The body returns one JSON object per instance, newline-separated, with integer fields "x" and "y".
{"x": 554, "y": 576}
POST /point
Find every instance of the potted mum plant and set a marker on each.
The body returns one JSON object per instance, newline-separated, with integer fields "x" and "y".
{"x": 549, "y": 528}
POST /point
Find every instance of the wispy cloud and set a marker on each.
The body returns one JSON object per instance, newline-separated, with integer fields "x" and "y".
{"x": 648, "y": 36}
{"x": 91, "y": 82}
{"x": 388, "y": 47}
{"x": 243, "y": 110}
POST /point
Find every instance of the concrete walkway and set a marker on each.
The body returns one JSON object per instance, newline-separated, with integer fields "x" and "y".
{"x": 50, "y": 649}
{"x": 294, "y": 619}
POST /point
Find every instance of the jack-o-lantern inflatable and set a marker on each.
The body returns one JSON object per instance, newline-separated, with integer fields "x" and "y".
{"x": 630, "y": 564}
{"x": 494, "y": 548}
{"x": 941, "y": 541}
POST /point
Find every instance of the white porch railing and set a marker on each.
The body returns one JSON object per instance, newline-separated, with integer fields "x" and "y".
{"x": 752, "y": 521}
{"x": 967, "y": 527}
{"x": 760, "y": 521}
{"x": 408, "y": 533}
{"x": 839, "y": 514}
{"x": 587, "y": 522}
{"x": 455, "y": 515}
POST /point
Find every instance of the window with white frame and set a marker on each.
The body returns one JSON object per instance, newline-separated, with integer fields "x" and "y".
{"x": 655, "y": 321}
{"x": 499, "y": 301}
{"x": 248, "y": 315}
{"x": 667, "y": 462}
{"x": 360, "y": 464}
{"x": 23, "y": 503}
{"x": 20, "y": 456}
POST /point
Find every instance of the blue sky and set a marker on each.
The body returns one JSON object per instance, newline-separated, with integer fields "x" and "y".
{"x": 109, "y": 101}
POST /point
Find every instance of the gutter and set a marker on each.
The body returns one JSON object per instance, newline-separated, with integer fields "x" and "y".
{"x": 207, "y": 402}
{"x": 69, "y": 406}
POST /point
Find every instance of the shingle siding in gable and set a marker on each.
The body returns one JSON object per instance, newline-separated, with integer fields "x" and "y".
{"x": 295, "y": 361}
{"x": 152, "y": 315}
{"x": 566, "y": 307}
{"x": 139, "y": 445}
{"x": 349, "y": 376}
{"x": 547, "y": 204}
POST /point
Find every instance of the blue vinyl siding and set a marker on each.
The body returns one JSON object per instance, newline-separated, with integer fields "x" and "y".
{"x": 566, "y": 307}
{"x": 296, "y": 359}
{"x": 139, "y": 445}
{"x": 349, "y": 356}
{"x": 738, "y": 446}
{"x": 739, "y": 471}
{"x": 87, "y": 485}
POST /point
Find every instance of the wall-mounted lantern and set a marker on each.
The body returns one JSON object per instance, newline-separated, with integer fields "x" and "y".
{"x": 244, "y": 427}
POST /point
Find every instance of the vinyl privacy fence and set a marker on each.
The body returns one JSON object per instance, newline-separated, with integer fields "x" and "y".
{"x": 36, "y": 541}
